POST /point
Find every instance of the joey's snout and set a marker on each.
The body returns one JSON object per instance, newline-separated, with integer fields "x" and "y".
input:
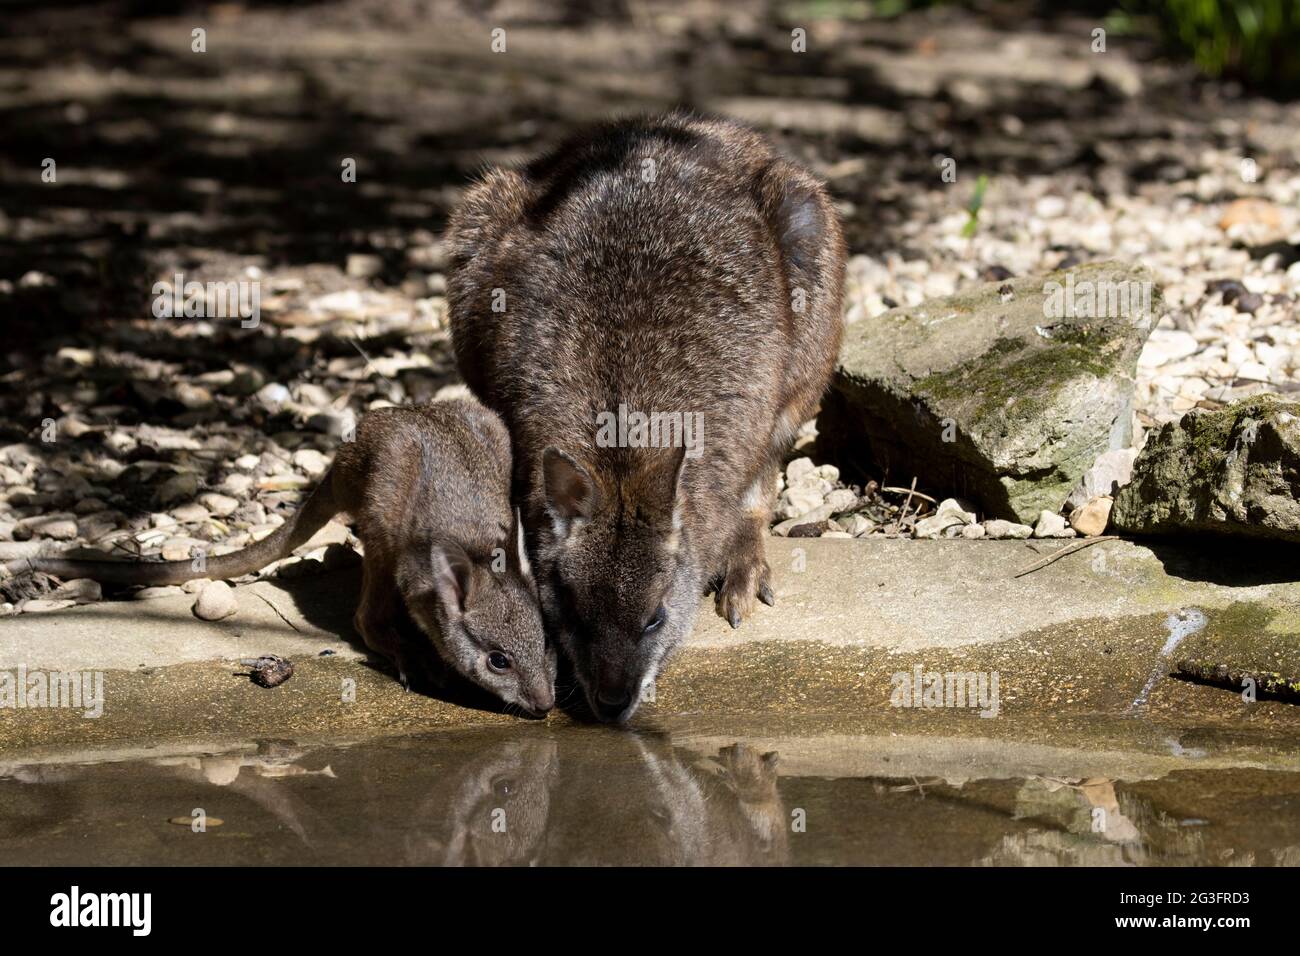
{"x": 541, "y": 700}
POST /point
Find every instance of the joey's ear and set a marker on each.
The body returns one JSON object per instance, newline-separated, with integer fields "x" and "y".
{"x": 453, "y": 576}
{"x": 570, "y": 490}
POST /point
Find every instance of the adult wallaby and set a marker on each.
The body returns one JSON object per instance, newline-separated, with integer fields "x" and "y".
{"x": 673, "y": 268}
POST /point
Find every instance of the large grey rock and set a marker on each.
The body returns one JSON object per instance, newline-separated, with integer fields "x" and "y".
{"x": 1002, "y": 393}
{"x": 1232, "y": 471}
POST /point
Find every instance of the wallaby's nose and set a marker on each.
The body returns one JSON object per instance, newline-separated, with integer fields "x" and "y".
{"x": 611, "y": 703}
{"x": 544, "y": 701}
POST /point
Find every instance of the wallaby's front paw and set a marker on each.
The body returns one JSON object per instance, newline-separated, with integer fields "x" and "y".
{"x": 748, "y": 577}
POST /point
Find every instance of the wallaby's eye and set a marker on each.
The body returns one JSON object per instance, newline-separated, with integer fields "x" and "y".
{"x": 499, "y": 661}
{"x": 655, "y": 622}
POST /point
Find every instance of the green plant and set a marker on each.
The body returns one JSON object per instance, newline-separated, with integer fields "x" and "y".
{"x": 976, "y": 203}
{"x": 1253, "y": 40}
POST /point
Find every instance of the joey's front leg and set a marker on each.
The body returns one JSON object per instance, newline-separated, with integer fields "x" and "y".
{"x": 377, "y": 616}
{"x": 745, "y": 574}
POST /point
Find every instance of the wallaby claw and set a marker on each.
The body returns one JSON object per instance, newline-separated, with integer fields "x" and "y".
{"x": 765, "y": 594}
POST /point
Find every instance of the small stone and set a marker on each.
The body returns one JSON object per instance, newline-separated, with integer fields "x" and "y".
{"x": 195, "y": 586}
{"x": 858, "y": 525}
{"x": 161, "y": 519}
{"x": 221, "y": 378}
{"x": 836, "y": 534}
{"x": 181, "y": 549}
{"x": 246, "y": 382}
{"x": 1250, "y": 211}
{"x": 827, "y": 473}
{"x": 310, "y": 462}
{"x": 178, "y": 488}
{"x": 812, "y": 529}
{"x": 363, "y": 266}
{"x": 161, "y": 591}
{"x": 272, "y": 396}
{"x": 313, "y": 395}
{"x": 972, "y": 531}
{"x": 236, "y": 484}
{"x": 247, "y": 462}
{"x": 1051, "y": 525}
{"x": 79, "y": 591}
{"x": 936, "y": 526}
{"x": 60, "y": 527}
{"x": 190, "y": 513}
{"x": 820, "y": 513}
{"x": 958, "y": 508}
{"x": 1109, "y": 473}
{"x": 37, "y": 605}
{"x": 798, "y": 469}
{"x": 330, "y": 533}
{"x": 799, "y": 500}
{"x": 999, "y": 529}
{"x": 215, "y": 602}
{"x": 841, "y": 500}
{"x": 74, "y": 427}
{"x": 269, "y": 671}
{"x": 192, "y": 396}
{"x": 1250, "y": 303}
{"x": 83, "y": 357}
{"x": 1090, "y": 519}
{"x": 220, "y": 505}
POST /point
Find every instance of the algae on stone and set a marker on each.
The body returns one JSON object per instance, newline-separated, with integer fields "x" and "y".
{"x": 1231, "y": 471}
{"x": 991, "y": 394}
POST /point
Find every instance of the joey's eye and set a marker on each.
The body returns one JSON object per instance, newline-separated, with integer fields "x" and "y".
{"x": 499, "y": 661}
{"x": 655, "y": 622}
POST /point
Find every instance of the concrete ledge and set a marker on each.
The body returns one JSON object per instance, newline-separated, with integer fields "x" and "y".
{"x": 893, "y": 594}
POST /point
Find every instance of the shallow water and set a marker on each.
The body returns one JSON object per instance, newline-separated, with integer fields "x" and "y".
{"x": 571, "y": 794}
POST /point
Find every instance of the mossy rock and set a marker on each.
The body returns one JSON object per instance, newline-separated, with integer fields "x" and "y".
{"x": 999, "y": 393}
{"x": 1231, "y": 471}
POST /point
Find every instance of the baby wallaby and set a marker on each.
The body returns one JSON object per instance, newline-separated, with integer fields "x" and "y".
{"x": 428, "y": 490}
{"x": 671, "y": 274}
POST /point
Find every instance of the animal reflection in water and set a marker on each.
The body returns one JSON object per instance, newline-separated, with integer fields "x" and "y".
{"x": 632, "y": 800}
{"x": 471, "y": 799}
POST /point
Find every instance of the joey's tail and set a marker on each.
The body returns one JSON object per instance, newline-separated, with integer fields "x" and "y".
{"x": 319, "y": 507}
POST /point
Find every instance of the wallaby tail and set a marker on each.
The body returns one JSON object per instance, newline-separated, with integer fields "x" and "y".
{"x": 319, "y": 507}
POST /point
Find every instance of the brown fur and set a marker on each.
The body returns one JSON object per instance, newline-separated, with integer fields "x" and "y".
{"x": 675, "y": 295}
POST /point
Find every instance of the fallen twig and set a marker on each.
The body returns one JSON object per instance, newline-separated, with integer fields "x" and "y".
{"x": 910, "y": 492}
{"x": 277, "y": 611}
{"x": 1068, "y": 549}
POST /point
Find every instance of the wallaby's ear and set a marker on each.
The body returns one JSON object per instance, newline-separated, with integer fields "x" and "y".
{"x": 796, "y": 207}
{"x": 453, "y": 576}
{"x": 570, "y": 490}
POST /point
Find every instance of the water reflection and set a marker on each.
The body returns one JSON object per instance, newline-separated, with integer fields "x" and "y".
{"x": 594, "y": 796}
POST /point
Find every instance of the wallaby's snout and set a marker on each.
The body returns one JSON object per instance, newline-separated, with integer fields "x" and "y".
{"x": 612, "y": 703}
{"x": 542, "y": 699}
